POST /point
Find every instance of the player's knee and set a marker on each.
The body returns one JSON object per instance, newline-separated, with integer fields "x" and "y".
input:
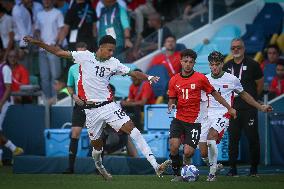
{"x": 128, "y": 127}
{"x": 213, "y": 135}
{"x": 97, "y": 144}
{"x": 188, "y": 152}
{"x": 203, "y": 152}
{"x": 174, "y": 147}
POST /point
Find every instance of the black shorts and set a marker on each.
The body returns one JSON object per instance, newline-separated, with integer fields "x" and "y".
{"x": 190, "y": 132}
{"x": 78, "y": 116}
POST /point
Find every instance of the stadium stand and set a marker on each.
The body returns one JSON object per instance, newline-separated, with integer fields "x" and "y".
{"x": 266, "y": 23}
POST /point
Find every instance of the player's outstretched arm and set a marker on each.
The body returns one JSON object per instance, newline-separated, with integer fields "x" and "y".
{"x": 50, "y": 48}
{"x": 250, "y": 100}
{"x": 222, "y": 101}
{"x": 142, "y": 76}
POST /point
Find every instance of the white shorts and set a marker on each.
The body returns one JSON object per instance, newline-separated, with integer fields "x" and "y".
{"x": 110, "y": 113}
{"x": 3, "y": 113}
{"x": 205, "y": 126}
{"x": 220, "y": 123}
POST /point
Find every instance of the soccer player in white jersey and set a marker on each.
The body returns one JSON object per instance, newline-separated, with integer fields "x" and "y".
{"x": 95, "y": 72}
{"x": 218, "y": 118}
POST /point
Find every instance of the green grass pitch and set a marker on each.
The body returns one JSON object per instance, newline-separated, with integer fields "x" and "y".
{"x": 8, "y": 180}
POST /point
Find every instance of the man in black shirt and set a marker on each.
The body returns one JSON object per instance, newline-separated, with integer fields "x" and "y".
{"x": 251, "y": 77}
{"x": 80, "y": 25}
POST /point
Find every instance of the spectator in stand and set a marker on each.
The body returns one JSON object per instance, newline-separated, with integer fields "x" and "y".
{"x": 100, "y": 5}
{"x": 114, "y": 21}
{"x": 20, "y": 76}
{"x": 194, "y": 9}
{"x": 8, "y": 5}
{"x": 5, "y": 102}
{"x": 141, "y": 10}
{"x": 150, "y": 37}
{"x": 269, "y": 65}
{"x": 24, "y": 17}
{"x": 49, "y": 24}
{"x": 62, "y": 5}
{"x": 140, "y": 93}
{"x": 170, "y": 58}
{"x": 277, "y": 84}
{"x": 61, "y": 90}
{"x": 80, "y": 25}
{"x": 6, "y": 31}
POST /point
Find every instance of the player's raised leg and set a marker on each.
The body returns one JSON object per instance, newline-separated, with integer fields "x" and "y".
{"x": 137, "y": 137}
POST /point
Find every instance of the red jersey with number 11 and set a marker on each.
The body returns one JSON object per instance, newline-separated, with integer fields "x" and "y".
{"x": 187, "y": 90}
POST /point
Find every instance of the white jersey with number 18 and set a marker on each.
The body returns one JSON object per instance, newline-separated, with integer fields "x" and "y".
{"x": 94, "y": 75}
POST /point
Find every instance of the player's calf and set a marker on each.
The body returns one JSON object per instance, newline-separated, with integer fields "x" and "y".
{"x": 96, "y": 154}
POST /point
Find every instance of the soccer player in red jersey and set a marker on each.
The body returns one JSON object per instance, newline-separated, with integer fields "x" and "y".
{"x": 185, "y": 94}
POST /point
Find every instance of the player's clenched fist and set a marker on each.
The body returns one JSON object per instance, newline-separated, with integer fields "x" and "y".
{"x": 29, "y": 39}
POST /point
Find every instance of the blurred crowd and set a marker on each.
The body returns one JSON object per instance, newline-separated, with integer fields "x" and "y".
{"x": 133, "y": 23}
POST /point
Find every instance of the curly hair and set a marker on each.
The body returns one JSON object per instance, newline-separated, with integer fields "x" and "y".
{"x": 216, "y": 56}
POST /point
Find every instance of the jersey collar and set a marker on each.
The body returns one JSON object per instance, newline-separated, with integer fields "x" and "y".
{"x": 218, "y": 76}
{"x": 192, "y": 72}
{"x": 99, "y": 59}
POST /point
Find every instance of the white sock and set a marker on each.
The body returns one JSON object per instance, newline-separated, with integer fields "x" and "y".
{"x": 97, "y": 157}
{"x": 205, "y": 160}
{"x": 1, "y": 152}
{"x": 212, "y": 155}
{"x": 10, "y": 145}
{"x": 144, "y": 147}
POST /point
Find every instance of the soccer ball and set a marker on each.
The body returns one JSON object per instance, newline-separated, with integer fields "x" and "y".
{"x": 190, "y": 173}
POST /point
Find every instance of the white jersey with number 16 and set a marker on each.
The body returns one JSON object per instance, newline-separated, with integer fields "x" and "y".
{"x": 226, "y": 85}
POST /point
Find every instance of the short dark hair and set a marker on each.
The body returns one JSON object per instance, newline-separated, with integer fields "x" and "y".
{"x": 274, "y": 47}
{"x": 138, "y": 70}
{"x": 107, "y": 39}
{"x": 188, "y": 52}
{"x": 170, "y": 36}
{"x": 216, "y": 56}
{"x": 81, "y": 45}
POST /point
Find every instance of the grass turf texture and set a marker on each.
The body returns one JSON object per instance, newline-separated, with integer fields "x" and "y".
{"x": 8, "y": 180}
